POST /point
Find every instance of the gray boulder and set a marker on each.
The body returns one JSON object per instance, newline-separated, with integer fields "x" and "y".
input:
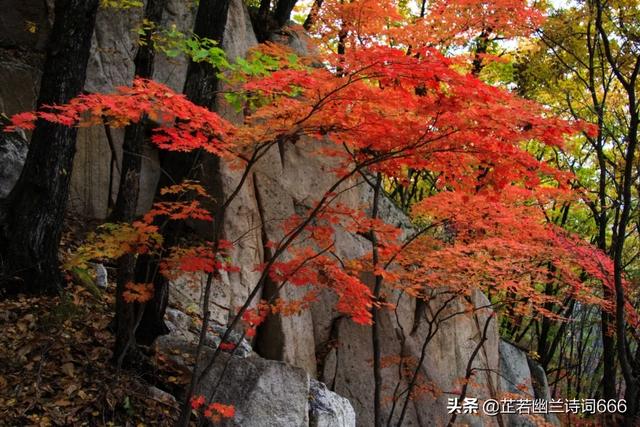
{"x": 180, "y": 323}
{"x": 265, "y": 393}
{"x": 541, "y": 387}
{"x": 182, "y": 327}
{"x": 102, "y": 276}
{"x": 328, "y": 409}
{"x": 243, "y": 348}
{"x": 161, "y": 395}
{"x": 13, "y": 153}
{"x": 539, "y": 380}
{"x": 515, "y": 379}
{"x": 515, "y": 376}
{"x": 522, "y": 378}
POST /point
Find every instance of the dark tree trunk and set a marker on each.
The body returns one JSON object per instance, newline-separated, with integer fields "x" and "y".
{"x": 628, "y": 363}
{"x": 200, "y": 87}
{"x": 313, "y": 15}
{"x": 127, "y": 314}
{"x": 482, "y": 44}
{"x": 266, "y": 22}
{"x": 129, "y": 189}
{"x": 606, "y": 319}
{"x": 202, "y": 81}
{"x": 375, "y": 315}
{"x": 261, "y": 21}
{"x": 283, "y": 11}
{"x": 608, "y": 349}
{"x": 152, "y": 322}
{"x": 32, "y": 215}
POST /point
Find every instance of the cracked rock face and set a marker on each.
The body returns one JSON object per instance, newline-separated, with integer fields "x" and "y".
{"x": 347, "y": 366}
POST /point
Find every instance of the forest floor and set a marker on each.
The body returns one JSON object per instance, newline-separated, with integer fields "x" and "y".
{"x": 55, "y": 366}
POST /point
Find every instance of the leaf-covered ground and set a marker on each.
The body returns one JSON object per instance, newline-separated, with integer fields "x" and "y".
{"x": 55, "y": 366}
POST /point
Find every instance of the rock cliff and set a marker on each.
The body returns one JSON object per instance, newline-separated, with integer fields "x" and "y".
{"x": 273, "y": 389}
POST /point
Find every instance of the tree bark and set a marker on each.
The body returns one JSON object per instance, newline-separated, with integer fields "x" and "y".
{"x": 313, "y": 15}
{"x": 126, "y": 319}
{"x": 129, "y": 188}
{"x": 201, "y": 87}
{"x": 283, "y": 11}
{"x": 31, "y": 217}
{"x": 267, "y": 21}
{"x": 606, "y": 319}
{"x": 602, "y": 221}
{"x": 628, "y": 364}
{"x": 202, "y": 82}
{"x": 375, "y": 316}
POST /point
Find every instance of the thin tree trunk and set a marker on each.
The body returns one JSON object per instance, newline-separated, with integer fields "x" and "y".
{"x": 201, "y": 88}
{"x": 632, "y": 380}
{"x": 31, "y": 217}
{"x": 125, "y": 210}
{"x": 129, "y": 188}
{"x": 627, "y": 363}
{"x": 375, "y": 327}
{"x": 606, "y": 319}
{"x": 601, "y": 216}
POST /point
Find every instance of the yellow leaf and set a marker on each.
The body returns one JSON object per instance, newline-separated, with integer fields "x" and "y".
{"x": 31, "y": 27}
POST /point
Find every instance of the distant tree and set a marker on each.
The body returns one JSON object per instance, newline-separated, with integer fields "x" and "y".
{"x": 585, "y": 66}
{"x": 617, "y": 25}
